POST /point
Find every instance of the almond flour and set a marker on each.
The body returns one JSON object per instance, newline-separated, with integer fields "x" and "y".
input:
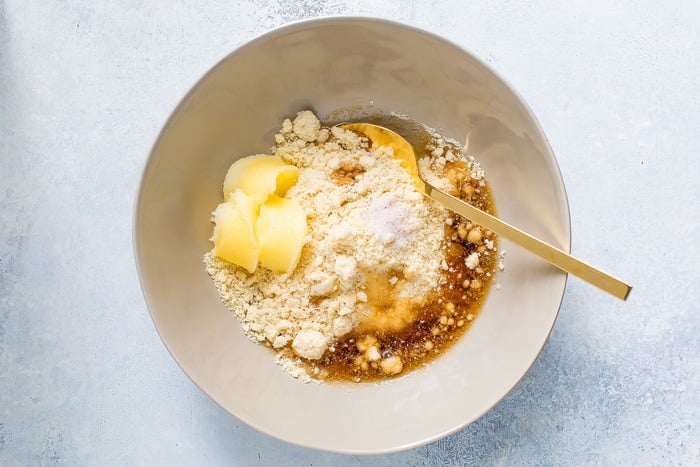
{"x": 377, "y": 223}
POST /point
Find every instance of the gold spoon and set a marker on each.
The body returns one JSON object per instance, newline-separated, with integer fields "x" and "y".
{"x": 403, "y": 151}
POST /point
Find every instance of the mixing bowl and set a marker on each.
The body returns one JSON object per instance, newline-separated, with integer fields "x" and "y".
{"x": 347, "y": 68}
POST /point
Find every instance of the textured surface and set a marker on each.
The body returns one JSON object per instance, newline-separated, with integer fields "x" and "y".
{"x": 84, "y": 378}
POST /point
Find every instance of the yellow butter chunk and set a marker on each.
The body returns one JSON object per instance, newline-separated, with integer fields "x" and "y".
{"x": 260, "y": 176}
{"x": 234, "y": 232}
{"x": 280, "y": 229}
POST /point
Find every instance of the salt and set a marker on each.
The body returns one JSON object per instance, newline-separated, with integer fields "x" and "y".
{"x": 386, "y": 219}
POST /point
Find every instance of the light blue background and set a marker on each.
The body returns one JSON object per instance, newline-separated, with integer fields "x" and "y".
{"x": 84, "y": 89}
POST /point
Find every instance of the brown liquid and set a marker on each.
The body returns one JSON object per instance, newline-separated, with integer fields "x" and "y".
{"x": 417, "y": 332}
{"x": 385, "y": 310}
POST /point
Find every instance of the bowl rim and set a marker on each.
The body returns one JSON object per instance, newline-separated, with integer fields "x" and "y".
{"x": 298, "y": 25}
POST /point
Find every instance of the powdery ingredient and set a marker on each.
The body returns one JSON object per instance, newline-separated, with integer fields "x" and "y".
{"x": 364, "y": 216}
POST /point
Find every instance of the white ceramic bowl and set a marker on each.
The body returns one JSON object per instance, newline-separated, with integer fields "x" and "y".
{"x": 364, "y": 65}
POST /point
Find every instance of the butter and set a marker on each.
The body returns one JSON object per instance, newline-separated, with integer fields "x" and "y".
{"x": 256, "y": 225}
{"x": 259, "y": 176}
{"x": 280, "y": 229}
{"x": 234, "y": 232}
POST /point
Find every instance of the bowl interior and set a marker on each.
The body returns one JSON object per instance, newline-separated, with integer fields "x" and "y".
{"x": 363, "y": 66}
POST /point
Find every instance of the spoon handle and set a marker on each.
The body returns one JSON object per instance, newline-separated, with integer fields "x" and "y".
{"x": 549, "y": 253}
